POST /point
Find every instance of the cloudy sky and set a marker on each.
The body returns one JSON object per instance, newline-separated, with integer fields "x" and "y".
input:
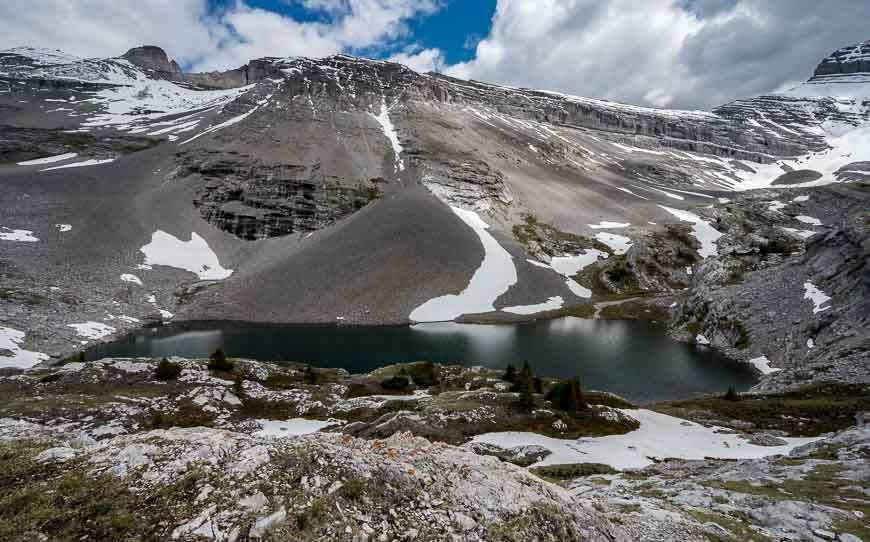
{"x": 663, "y": 53}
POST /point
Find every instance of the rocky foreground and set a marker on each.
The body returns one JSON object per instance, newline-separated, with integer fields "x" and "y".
{"x": 136, "y": 450}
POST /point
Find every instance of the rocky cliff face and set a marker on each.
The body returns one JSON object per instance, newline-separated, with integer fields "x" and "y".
{"x": 758, "y": 298}
{"x": 853, "y": 59}
{"x": 254, "y": 201}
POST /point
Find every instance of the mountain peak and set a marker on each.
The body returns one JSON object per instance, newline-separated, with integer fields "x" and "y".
{"x": 152, "y": 57}
{"x": 848, "y": 60}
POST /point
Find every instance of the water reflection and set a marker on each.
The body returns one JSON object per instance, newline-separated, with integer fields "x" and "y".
{"x": 634, "y": 359}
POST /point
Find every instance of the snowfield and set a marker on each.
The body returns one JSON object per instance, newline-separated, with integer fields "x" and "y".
{"x": 22, "y": 236}
{"x": 10, "y": 341}
{"x": 619, "y": 244}
{"x": 659, "y": 437}
{"x": 292, "y": 428}
{"x": 141, "y": 100}
{"x": 818, "y": 297}
{"x": 383, "y": 119}
{"x": 551, "y": 304}
{"x": 493, "y": 278}
{"x": 571, "y": 265}
{"x": 763, "y": 365}
{"x": 194, "y": 255}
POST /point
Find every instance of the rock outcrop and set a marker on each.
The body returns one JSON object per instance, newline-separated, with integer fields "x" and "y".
{"x": 849, "y": 60}
{"x": 255, "y": 201}
{"x": 154, "y": 60}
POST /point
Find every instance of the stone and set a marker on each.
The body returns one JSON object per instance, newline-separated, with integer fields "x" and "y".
{"x": 262, "y": 525}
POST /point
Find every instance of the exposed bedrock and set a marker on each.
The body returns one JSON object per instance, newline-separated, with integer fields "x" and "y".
{"x": 154, "y": 59}
{"x": 470, "y": 183}
{"x": 845, "y": 61}
{"x": 20, "y": 144}
{"x": 253, "y": 200}
{"x": 753, "y": 299}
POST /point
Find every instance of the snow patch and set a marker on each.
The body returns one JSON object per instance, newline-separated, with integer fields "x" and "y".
{"x": 194, "y": 255}
{"x": 11, "y": 353}
{"x": 551, "y": 304}
{"x": 659, "y": 436}
{"x": 390, "y": 131}
{"x": 539, "y": 264}
{"x": 127, "y": 277}
{"x": 619, "y": 244}
{"x": 702, "y": 231}
{"x": 605, "y": 225}
{"x": 763, "y": 365}
{"x": 92, "y": 330}
{"x": 49, "y": 159}
{"x": 808, "y": 220}
{"x": 818, "y": 297}
{"x": 577, "y": 289}
{"x": 292, "y": 428}
{"x": 91, "y": 162}
{"x": 493, "y": 278}
{"x": 571, "y": 265}
{"x": 22, "y": 236}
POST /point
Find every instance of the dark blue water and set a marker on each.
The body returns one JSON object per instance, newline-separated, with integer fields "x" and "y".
{"x": 634, "y": 359}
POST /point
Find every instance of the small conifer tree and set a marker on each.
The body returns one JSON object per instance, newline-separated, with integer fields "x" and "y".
{"x": 218, "y": 361}
{"x": 510, "y": 374}
{"x": 239, "y": 386}
{"x": 567, "y": 395}
{"x": 525, "y": 386}
{"x": 309, "y": 375}
{"x": 167, "y": 370}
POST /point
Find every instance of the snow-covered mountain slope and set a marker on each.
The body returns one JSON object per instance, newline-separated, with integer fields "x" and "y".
{"x": 833, "y": 106}
{"x": 358, "y": 191}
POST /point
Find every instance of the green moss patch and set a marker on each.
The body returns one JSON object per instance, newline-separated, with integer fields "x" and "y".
{"x": 571, "y": 471}
{"x": 808, "y": 412}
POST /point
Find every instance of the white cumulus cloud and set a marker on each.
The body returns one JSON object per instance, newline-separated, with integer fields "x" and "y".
{"x": 663, "y": 53}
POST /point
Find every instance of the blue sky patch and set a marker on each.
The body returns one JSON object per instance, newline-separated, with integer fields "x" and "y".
{"x": 455, "y": 29}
